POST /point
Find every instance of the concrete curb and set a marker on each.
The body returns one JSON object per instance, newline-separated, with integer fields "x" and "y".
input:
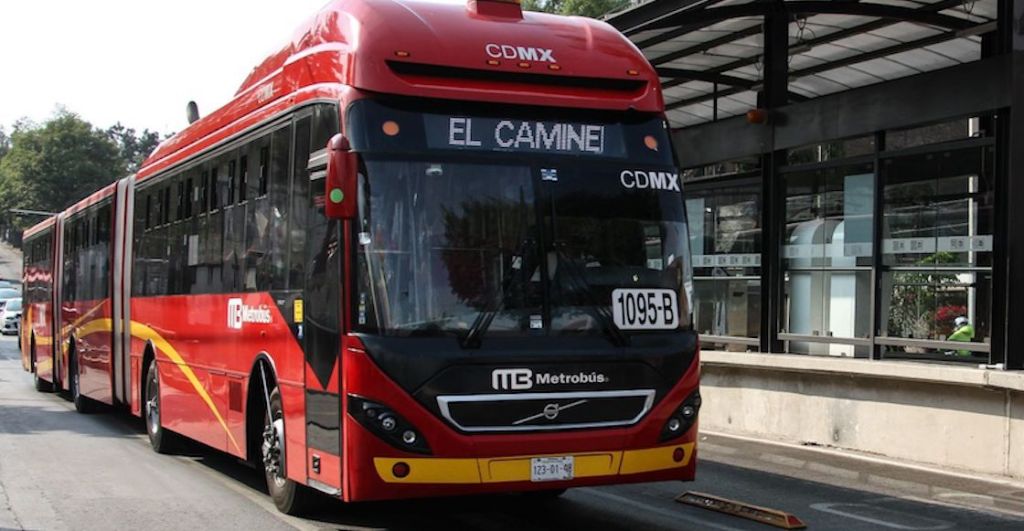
{"x": 893, "y": 370}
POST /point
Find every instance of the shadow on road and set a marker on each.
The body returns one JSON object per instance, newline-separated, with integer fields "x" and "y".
{"x": 492, "y": 511}
{"x": 47, "y": 417}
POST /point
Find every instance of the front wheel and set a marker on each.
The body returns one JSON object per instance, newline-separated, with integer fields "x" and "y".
{"x": 41, "y": 385}
{"x": 160, "y": 439}
{"x": 83, "y": 404}
{"x": 289, "y": 497}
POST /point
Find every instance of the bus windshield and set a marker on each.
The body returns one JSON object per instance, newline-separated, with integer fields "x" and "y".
{"x": 505, "y": 242}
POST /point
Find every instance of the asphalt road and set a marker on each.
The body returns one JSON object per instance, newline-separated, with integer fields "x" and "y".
{"x": 61, "y": 470}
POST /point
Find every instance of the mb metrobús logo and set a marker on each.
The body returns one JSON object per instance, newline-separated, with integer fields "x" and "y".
{"x": 522, "y": 379}
{"x": 239, "y": 313}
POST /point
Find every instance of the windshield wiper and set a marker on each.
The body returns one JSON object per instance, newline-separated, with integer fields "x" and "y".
{"x": 484, "y": 319}
{"x": 576, "y": 277}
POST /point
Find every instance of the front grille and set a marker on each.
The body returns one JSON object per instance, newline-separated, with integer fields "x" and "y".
{"x": 545, "y": 411}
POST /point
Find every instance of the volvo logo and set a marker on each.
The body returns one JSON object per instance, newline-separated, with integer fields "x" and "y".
{"x": 549, "y": 412}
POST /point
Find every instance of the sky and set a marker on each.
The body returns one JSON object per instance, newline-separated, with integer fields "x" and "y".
{"x": 138, "y": 62}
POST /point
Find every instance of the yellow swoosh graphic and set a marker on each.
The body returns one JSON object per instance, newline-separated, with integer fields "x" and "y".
{"x": 81, "y": 318}
{"x": 145, "y": 333}
{"x": 74, "y": 324}
{"x": 41, "y": 341}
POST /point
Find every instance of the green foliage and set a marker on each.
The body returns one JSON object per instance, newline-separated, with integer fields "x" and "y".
{"x": 133, "y": 148}
{"x": 51, "y": 166}
{"x": 924, "y": 304}
{"x": 584, "y": 8}
{"x": 5, "y": 143}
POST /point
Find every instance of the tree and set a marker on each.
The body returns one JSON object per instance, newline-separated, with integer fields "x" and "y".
{"x": 584, "y": 8}
{"x": 133, "y": 148}
{"x": 49, "y": 167}
{"x": 5, "y": 143}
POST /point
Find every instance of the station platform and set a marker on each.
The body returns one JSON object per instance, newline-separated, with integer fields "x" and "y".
{"x": 958, "y": 418}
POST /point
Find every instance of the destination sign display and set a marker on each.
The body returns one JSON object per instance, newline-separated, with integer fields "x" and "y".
{"x": 497, "y": 134}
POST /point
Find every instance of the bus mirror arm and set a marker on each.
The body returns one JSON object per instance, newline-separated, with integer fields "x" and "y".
{"x": 340, "y": 185}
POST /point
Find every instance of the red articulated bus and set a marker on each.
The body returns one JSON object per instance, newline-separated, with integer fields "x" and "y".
{"x": 427, "y": 249}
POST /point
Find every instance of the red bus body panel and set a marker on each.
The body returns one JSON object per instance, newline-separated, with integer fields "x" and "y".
{"x": 364, "y": 482}
{"x": 37, "y": 318}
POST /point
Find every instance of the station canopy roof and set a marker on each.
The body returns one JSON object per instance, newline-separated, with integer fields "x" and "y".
{"x": 709, "y": 52}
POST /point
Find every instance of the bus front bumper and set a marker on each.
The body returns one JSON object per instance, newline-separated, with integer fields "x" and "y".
{"x": 469, "y": 471}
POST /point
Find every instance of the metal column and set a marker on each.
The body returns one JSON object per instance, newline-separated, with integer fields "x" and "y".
{"x": 774, "y": 95}
{"x": 1008, "y": 282}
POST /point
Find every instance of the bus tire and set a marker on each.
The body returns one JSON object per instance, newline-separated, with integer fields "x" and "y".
{"x": 83, "y": 404}
{"x": 162, "y": 440}
{"x": 289, "y": 497}
{"x": 41, "y": 385}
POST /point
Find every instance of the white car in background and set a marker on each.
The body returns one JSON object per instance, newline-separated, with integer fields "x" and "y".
{"x": 7, "y": 294}
{"x": 10, "y": 317}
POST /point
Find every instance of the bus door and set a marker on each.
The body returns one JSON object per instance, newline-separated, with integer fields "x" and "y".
{"x": 319, "y": 315}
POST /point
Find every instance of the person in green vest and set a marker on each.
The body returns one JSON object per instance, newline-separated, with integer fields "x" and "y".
{"x": 963, "y": 332}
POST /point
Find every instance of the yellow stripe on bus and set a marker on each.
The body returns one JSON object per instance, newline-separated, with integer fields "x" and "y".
{"x": 80, "y": 319}
{"x": 510, "y": 469}
{"x": 145, "y": 333}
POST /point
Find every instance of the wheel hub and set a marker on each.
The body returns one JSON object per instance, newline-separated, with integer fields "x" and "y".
{"x": 153, "y": 414}
{"x": 273, "y": 449}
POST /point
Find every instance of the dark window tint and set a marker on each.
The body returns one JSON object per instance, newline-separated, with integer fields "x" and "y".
{"x": 243, "y": 174}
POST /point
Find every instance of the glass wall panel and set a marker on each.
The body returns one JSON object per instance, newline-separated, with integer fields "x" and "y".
{"x": 827, "y": 255}
{"x": 937, "y": 253}
{"x": 725, "y": 240}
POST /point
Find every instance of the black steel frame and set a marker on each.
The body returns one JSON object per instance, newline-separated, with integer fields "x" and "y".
{"x": 991, "y": 87}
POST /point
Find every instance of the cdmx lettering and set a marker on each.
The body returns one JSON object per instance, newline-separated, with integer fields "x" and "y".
{"x": 658, "y": 180}
{"x": 522, "y": 53}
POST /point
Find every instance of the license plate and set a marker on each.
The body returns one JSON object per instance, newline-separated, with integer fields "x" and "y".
{"x": 551, "y": 468}
{"x": 645, "y": 309}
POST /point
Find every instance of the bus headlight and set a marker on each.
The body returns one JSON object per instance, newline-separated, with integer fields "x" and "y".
{"x": 683, "y": 417}
{"x": 386, "y": 424}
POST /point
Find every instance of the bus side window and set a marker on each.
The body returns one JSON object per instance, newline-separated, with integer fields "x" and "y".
{"x": 243, "y": 175}
{"x": 299, "y": 207}
{"x": 276, "y": 264}
{"x": 325, "y": 125}
{"x": 257, "y": 213}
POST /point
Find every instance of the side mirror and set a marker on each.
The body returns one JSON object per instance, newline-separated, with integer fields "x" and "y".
{"x": 341, "y": 184}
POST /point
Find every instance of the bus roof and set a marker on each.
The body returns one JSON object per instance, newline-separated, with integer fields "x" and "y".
{"x": 473, "y": 50}
{"x": 483, "y": 50}
{"x": 39, "y": 227}
{"x": 91, "y": 199}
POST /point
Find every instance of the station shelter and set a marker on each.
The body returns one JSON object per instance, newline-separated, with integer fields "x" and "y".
{"x": 854, "y": 172}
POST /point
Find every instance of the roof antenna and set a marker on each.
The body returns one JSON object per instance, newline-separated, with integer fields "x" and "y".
{"x": 192, "y": 112}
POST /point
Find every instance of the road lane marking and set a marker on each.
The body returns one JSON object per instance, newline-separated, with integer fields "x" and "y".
{"x": 926, "y": 524}
{"x": 674, "y": 515}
